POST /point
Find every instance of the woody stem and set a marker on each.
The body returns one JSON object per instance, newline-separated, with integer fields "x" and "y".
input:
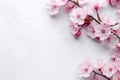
{"x": 75, "y": 2}
{"x": 95, "y": 73}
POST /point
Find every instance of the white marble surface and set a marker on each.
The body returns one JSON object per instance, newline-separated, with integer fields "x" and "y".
{"x": 34, "y": 46}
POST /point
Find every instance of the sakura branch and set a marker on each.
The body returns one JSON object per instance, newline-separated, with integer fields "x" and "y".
{"x": 95, "y": 73}
{"x": 105, "y": 30}
{"x": 99, "y": 70}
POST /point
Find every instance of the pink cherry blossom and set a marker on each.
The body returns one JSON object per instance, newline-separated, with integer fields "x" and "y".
{"x": 102, "y": 31}
{"x": 110, "y": 41}
{"x": 82, "y": 2}
{"x": 108, "y": 20}
{"x": 77, "y": 15}
{"x": 117, "y": 64}
{"x": 98, "y": 5}
{"x": 93, "y": 77}
{"x": 90, "y": 30}
{"x": 109, "y": 70}
{"x": 116, "y": 76}
{"x": 115, "y": 3}
{"x": 116, "y": 29}
{"x": 98, "y": 64}
{"x": 89, "y": 11}
{"x": 118, "y": 14}
{"x": 85, "y": 69}
{"x": 112, "y": 2}
{"x": 75, "y": 29}
{"x": 69, "y": 6}
{"x": 53, "y": 8}
{"x": 116, "y": 49}
{"x": 61, "y": 2}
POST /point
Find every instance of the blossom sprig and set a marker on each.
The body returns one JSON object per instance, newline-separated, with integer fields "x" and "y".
{"x": 105, "y": 30}
{"x": 99, "y": 70}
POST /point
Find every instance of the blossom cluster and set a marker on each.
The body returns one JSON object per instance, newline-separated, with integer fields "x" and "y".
{"x": 99, "y": 70}
{"x": 105, "y": 30}
{"x": 115, "y": 3}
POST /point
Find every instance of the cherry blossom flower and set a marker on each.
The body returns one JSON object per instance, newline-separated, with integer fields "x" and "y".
{"x": 89, "y": 11}
{"x": 75, "y": 29}
{"x": 117, "y": 64}
{"x": 110, "y": 41}
{"x": 102, "y": 31}
{"x": 61, "y": 2}
{"x": 98, "y": 64}
{"x": 98, "y": 5}
{"x": 108, "y": 20}
{"x": 90, "y": 30}
{"x": 116, "y": 29}
{"x": 115, "y": 3}
{"x": 116, "y": 76}
{"x": 93, "y": 77}
{"x": 53, "y": 8}
{"x": 109, "y": 70}
{"x": 82, "y": 2}
{"x": 85, "y": 69}
{"x": 116, "y": 49}
{"x": 69, "y": 6}
{"x": 118, "y": 14}
{"x": 77, "y": 15}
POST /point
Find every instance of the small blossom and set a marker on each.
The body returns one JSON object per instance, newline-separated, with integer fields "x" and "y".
{"x": 75, "y": 29}
{"x": 78, "y": 15}
{"x": 82, "y": 2}
{"x": 90, "y": 30}
{"x": 116, "y": 76}
{"x": 53, "y": 8}
{"x": 114, "y": 3}
{"x": 110, "y": 41}
{"x": 116, "y": 49}
{"x": 93, "y": 77}
{"x": 61, "y": 2}
{"x": 89, "y": 11}
{"x": 102, "y": 31}
{"x": 118, "y": 14}
{"x": 98, "y": 64}
{"x": 116, "y": 29}
{"x": 69, "y": 6}
{"x": 85, "y": 69}
{"x": 109, "y": 70}
{"x": 108, "y": 20}
{"x": 98, "y": 5}
{"x": 117, "y": 64}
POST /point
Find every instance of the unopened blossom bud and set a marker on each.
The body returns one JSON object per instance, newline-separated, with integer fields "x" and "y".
{"x": 78, "y": 33}
{"x": 96, "y": 7}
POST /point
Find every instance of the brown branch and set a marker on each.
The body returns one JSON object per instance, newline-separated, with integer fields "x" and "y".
{"x": 76, "y": 3}
{"x": 95, "y": 20}
{"x": 95, "y": 73}
{"x": 98, "y": 16}
{"x": 115, "y": 24}
{"x": 115, "y": 35}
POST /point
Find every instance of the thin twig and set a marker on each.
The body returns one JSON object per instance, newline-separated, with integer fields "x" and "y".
{"x": 95, "y": 20}
{"x": 101, "y": 75}
{"x": 116, "y": 35}
{"x": 75, "y": 3}
{"x": 98, "y": 16}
